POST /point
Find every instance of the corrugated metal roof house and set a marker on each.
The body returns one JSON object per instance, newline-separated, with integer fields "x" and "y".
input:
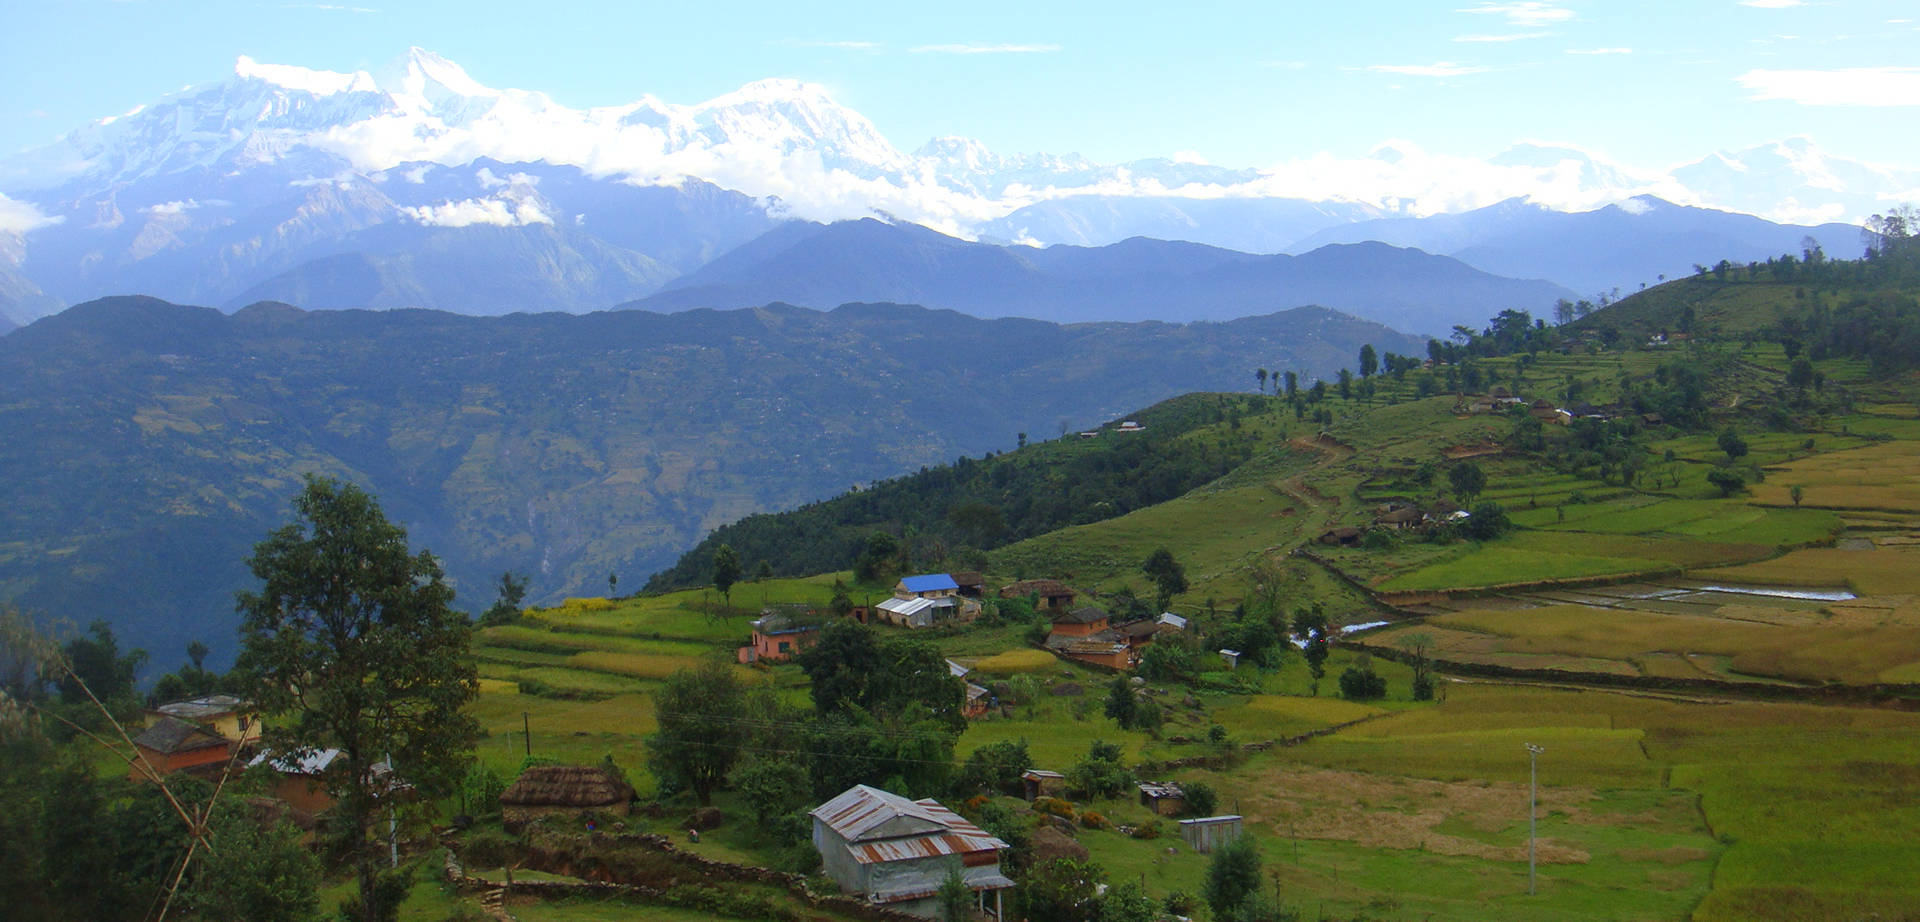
{"x": 899, "y": 851}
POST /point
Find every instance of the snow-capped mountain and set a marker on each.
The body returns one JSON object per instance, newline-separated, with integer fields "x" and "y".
{"x": 267, "y": 177}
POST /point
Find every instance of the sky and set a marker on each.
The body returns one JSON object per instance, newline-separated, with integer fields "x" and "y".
{"x": 1650, "y": 84}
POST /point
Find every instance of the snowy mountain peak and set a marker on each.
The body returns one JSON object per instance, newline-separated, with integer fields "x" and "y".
{"x": 306, "y": 80}
{"x": 422, "y": 74}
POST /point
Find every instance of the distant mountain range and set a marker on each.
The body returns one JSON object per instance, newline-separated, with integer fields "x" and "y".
{"x": 1138, "y": 279}
{"x": 1619, "y": 246}
{"x": 418, "y": 186}
{"x": 148, "y": 445}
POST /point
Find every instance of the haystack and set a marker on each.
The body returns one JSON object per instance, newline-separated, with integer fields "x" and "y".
{"x": 548, "y": 789}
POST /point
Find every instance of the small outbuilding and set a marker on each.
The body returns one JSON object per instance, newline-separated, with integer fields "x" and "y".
{"x": 1210, "y": 832}
{"x": 1052, "y": 594}
{"x": 544, "y": 790}
{"x": 1038, "y": 782}
{"x": 1162, "y": 797}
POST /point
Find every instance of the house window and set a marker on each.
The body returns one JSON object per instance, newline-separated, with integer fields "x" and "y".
{"x": 785, "y": 647}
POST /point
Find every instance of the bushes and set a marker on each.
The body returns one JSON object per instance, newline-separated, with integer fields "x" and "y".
{"x": 1100, "y": 775}
{"x": 1360, "y": 683}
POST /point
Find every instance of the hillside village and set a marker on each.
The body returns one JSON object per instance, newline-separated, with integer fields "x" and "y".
{"x": 1685, "y": 582}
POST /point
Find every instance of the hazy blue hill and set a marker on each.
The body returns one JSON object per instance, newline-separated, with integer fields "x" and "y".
{"x": 1136, "y": 279}
{"x": 1593, "y": 251}
{"x": 477, "y": 270}
{"x": 149, "y": 444}
{"x": 1250, "y": 225}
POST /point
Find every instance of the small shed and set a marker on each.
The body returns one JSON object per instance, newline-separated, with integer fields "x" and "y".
{"x": 1231, "y": 658}
{"x": 1344, "y": 536}
{"x": 972, "y": 583}
{"x": 548, "y": 789}
{"x": 1162, "y": 797}
{"x": 1038, "y": 782}
{"x": 1210, "y": 832}
{"x": 1053, "y": 594}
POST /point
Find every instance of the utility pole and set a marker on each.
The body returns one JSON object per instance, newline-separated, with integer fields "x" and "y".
{"x": 1533, "y": 796}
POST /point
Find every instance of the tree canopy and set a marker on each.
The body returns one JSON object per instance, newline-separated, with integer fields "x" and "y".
{"x": 353, "y": 644}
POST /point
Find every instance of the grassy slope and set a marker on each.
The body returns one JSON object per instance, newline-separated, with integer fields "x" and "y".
{"x": 1653, "y": 807}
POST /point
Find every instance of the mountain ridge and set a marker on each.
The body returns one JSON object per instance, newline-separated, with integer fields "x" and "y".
{"x": 151, "y": 443}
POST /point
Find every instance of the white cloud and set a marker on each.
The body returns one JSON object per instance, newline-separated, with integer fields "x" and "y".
{"x": 1502, "y": 37}
{"x": 1525, "y": 13}
{"x": 1193, "y": 157}
{"x": 18, "y": 217}
{"x": 1599, "y": 50}
{"x": 175, "y": 207}
{"x": 1436, "y": 69}
{"x": 983, "y": 49}
{"x": 1846, "y": 86}
{"x": 472, "y": 211}
{"x": 1773, "y": 4}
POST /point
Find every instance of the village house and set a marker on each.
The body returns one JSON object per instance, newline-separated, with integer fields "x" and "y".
{"x": 779, "y": 634}
{"x": 226, "y": 716}
{"x": 1084, "y": 621}
{"x": 544, "y": 790}
{"x": 897, "y": 852}
{"x": 1132, "y": 426}
{"x": 926, "y": 586}
{"x": 300, "y": 781}
{"x": 1051, "y": 595}
{"x": 1084, "y": 635}
{"x": 170, "y": 745}
{"x": 198, "y": 736}
{"x": 1344, "y": 536}
{"x": 910, "y": 612}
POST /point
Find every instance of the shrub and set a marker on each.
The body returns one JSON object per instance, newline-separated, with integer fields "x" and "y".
{"x": 1360, "y": 683}
{"x": 1147, "y": 830}
{"x": 1092, "y": 820}
{"x": 1200, "y": 798}
{"x": 1053, "y": 806}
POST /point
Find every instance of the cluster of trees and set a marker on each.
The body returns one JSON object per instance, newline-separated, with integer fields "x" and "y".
{"x": 951, "y": 512}
{"x": 349, "y": 643}
{"x": 884, "y": 712}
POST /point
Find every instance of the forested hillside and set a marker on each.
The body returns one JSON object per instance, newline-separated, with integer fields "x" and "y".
{"x": 956, "y": 511}
{"x": 148, "y": 444}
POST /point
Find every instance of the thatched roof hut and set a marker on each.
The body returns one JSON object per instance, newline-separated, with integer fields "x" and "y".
{"x": 545, "y": 789}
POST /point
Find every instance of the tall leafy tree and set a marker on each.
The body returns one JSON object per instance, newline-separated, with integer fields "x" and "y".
{"x": 353, "y": 644}
{"x": 1167, "y": 574}
{"x": 1232, "y": 876}
{"x": 1369, "y": 361}
{"x": 726, "y": 571}
{"x": 511, "y": 594}
{"x": 1467, "y": 479}
{"x": 700, "y": 735}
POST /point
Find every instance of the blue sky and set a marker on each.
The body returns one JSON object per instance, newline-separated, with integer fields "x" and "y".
{"x": 1648, "y": 83}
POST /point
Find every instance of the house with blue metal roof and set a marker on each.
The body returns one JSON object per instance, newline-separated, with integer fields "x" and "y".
{"x": 927, "y": 586}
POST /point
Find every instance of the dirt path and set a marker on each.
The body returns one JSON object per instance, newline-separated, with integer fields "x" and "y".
{"x": 1318, "y": 505}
